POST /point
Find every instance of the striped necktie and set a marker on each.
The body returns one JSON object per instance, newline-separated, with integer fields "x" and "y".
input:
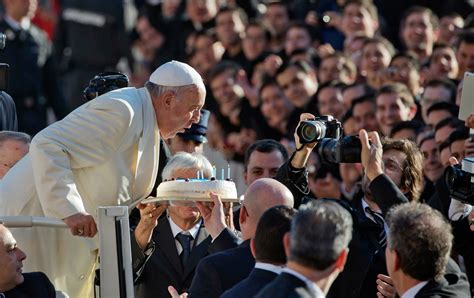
{"x": 378, "y": 219}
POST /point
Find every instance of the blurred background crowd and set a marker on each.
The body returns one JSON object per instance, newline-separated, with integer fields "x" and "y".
{"x": 395, "y": 67}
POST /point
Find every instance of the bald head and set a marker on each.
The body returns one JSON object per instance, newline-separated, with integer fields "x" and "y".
{"x": 261, "y": 195}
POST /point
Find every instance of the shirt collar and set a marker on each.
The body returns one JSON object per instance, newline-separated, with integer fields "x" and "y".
{"x": 369, "y": 216}
{"x": 269, "y": 267}
{"x": 414, "y": 290}
{"x": 313, "y": 287}
{"x": 24, "y": 24}
{"x": 176, "y": 230}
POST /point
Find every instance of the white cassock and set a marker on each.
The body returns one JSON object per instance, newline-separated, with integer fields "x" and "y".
{"x": 105, "y": 153}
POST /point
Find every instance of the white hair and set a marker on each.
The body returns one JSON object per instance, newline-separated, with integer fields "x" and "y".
{"x": 158, "y": 90}
{"x": 187, "y": 161}
{"x": 7, "y": 135}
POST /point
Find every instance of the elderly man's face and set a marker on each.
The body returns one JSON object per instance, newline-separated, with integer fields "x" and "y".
{"x": 181, "y": 211}
{"x": 11, "y": 261}
{"x": 10, "y": 153}
{"x": 184, "y": 110}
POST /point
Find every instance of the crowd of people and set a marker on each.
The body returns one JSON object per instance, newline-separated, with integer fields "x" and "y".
{"x": 218, "y": 83}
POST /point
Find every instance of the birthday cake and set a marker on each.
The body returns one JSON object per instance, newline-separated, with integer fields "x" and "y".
{"x": 195, "y": 190}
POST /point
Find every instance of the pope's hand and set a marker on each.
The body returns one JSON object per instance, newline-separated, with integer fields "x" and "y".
{"x": 81, "y": 224}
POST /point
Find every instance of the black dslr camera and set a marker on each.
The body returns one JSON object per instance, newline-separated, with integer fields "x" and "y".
{"x": 105, "y": 82}
{"x": 460, "y": 181}
{"x": 310, "y": 131}
{"x": 331, "y": 147}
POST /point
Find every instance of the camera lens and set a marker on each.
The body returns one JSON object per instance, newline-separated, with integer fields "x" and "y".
{"x": 311, "y": 131}
{"x": 308, "y": 132}
{"x": 345, "y": 150}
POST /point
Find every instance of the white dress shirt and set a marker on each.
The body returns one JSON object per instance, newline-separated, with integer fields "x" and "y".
{"x": 269, "y": 267}
{"x": 368, "y": 215}
{"x": 414, "y": 290}
{"x": 176, "y": 230}
{"x": 313, "y": 287}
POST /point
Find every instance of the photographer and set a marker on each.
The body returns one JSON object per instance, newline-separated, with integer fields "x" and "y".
{"x": 462, "y": 220}
{"x": 393, "y": 173}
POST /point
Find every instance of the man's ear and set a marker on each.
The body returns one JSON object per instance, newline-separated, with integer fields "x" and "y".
{"x": 168, "y": 99}
{"x": 286, "y": 243}
{"x": 412, "y": 112}
{"x": 341, "y": 259}
{"x": 242, "y": 215}
{"x": 396, "y": 260}
{"x": 252, "y": 247}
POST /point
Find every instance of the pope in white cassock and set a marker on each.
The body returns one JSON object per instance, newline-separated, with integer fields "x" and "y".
{"x": 104, "y": 153}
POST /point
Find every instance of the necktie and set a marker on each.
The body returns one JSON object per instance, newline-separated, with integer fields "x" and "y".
{"x": 382, "y": 237}
{"x": 185, "y": 241}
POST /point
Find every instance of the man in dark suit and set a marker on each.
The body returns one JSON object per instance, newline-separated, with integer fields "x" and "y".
{"x": 316, "y": 248}
{"x": 221, "y": 271}
{"x": 418, "y": 249}
{"x": 14, "y": 283}
{"x": 33, "y": 83}
{"x": 168, "y": 254}
{"x": 267, "y": 248}
{"x": 8, "y": 119}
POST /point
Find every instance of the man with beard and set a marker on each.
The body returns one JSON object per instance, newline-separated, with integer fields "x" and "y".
{"x": 402, "y": 166}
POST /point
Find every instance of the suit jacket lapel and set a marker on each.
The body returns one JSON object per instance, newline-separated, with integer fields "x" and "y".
{"x": 148, "y": 149}
{"x": 166, "y": 244}
{"x": 203, "y": 240}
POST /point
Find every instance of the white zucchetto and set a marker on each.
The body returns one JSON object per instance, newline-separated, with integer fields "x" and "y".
{"x": 175, "y": 74}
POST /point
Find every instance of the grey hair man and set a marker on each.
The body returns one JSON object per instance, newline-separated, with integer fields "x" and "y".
{"x": 13, "y": 146}
{"x": 417, "y": 253}
{"x": 104, "y": 153}
{"x": 316, "y": 248}
{"x": 13, "y": 282}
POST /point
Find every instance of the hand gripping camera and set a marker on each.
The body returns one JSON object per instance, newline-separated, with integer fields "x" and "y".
{"x": 460, "y": 181}
{"x": 332, "y": 147}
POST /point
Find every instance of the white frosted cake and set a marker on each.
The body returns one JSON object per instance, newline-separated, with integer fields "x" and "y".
{"x": 195, "y": 190}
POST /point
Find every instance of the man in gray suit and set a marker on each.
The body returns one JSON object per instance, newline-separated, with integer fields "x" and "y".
{"x": 316, "y": 248}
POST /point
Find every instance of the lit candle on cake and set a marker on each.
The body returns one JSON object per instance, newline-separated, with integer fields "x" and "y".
{"x": 228, "y": 171}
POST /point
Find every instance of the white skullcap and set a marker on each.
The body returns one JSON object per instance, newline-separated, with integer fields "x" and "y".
{"x": 175, "y": 74}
